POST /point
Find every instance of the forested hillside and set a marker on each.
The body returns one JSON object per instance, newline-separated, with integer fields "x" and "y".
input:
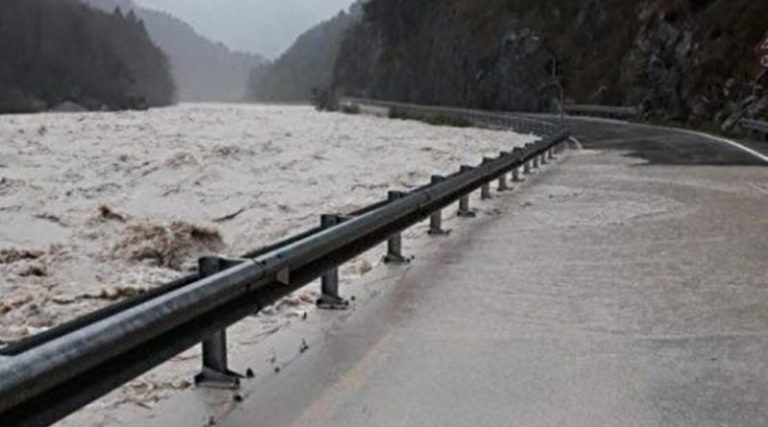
{"x": 684, "y": 60}
{"x": 307, "y": 64}
{"x": 203, "y": 70}
{"x": 53, "y": 51}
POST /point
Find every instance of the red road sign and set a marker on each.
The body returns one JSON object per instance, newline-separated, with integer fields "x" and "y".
{"x": 762, "y": 52}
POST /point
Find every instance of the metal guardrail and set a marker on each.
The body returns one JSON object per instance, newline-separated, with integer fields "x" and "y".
{"x": 48, "y": 376}
{"x": 518, "y": 122}
{"x": 602, "y": 111}
{"x": 758, "y": 126}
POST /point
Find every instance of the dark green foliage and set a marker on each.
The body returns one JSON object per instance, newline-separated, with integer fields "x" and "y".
{"x": 202, "y": 69}
{"x": 678, "y": 59}
{"x": 325, "y": 100}
{"x": 53, "y": 51}
{"x": 352, "y": 109}
{"x": 307, "y": 65}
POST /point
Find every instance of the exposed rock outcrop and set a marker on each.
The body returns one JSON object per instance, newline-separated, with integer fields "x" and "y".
{"x": 679, "y": 60}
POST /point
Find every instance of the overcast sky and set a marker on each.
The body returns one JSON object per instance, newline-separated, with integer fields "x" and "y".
{"x": 266, "y": 27}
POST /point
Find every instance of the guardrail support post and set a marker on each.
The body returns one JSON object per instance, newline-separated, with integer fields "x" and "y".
{"x": 485, "y": 191}
{"x": 436, "y": 219}
{"x": 329, "y": 282}
{"x": 436, "y": 225}
{"x": 503, "y": 183}
{"x": 215, "y": 372}
{"x": 503, "y": 186}
{"x": 395, "y": 243}
{"x": 464, "y": 210}
{"x": 516, "y": 175}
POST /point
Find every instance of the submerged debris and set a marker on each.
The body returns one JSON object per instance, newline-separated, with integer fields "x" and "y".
{"x": 229, "y": 217}
{"x": 107, "y": 214}
{"x": 115, "y": 293}
{"x": 12, "y": 255}
{"x": 52, "y": 218}
{"x": 168, "y": 246}
{"x": 36, "y": 269}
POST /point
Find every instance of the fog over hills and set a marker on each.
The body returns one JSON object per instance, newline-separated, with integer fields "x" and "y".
{"x": 204, "y": 70}
{"x": 266, "y": 27}
{"x": 307, "y": 64}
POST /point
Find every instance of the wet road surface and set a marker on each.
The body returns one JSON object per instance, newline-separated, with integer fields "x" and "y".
{"x": 626, "y": 285}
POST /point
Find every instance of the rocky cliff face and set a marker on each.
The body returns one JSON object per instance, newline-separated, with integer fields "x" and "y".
{"x": 681, "y": 60}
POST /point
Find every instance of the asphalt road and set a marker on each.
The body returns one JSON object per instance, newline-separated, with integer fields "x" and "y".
{"x": 625, "y": 285}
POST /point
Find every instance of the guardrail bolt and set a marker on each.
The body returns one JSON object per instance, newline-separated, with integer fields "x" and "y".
{"x": 395, "y": 243}
{"x": 329, "y": 282}
{"x": 215, "y": 372}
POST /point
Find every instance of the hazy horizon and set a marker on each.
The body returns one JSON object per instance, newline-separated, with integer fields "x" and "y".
{"x": 265, "y": 27}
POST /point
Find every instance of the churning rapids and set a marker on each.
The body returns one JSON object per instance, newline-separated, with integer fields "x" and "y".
{"x": 97, "y": 207}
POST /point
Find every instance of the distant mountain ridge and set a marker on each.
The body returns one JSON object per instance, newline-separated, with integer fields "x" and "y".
{"x": 308, "y": 64}
{"x": 203, "y": 70}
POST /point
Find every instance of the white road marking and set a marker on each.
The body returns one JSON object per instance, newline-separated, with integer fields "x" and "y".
{"x": 727, "y": 141}
{"x": 690, "y": 132}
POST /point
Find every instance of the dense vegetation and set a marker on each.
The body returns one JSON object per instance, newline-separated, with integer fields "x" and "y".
{"x": 202, "y": 69}
{"x": 306, "y": 65}
{"x": 689, "y": 60}
{"x": 52, "y": 51}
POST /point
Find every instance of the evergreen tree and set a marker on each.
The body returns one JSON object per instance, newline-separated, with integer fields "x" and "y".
{"x": 53, "y": 51}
